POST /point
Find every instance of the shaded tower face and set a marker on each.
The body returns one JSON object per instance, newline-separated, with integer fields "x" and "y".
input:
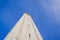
{"x": 25, "y": 29}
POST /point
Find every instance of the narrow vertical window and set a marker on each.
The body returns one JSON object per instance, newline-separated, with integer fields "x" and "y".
{"x": 29, "y": 35}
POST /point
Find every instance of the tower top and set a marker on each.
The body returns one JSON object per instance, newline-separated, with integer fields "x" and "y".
{"x": 25, "y": 29}
{"x": 26, "y": 13}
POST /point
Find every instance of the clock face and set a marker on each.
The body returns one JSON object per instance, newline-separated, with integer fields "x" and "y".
{"x": 26, "y": 30}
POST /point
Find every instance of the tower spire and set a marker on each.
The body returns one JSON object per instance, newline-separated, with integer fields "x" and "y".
{"x": 25, "y": 29}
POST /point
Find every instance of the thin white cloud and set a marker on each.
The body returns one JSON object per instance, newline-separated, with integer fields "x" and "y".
{"x": 52, "y": 6}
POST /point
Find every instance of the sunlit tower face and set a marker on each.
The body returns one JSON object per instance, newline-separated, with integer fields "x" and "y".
{"x": 25, "y": 29}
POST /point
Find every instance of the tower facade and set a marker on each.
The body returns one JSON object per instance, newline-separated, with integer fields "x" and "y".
{"x": 25, "y": 29}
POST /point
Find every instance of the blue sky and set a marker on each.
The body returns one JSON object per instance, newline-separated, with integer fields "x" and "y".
{"x": 45, "y": 13}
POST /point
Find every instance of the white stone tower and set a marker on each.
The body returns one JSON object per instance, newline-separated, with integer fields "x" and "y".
{"x": 25, "y": 29}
